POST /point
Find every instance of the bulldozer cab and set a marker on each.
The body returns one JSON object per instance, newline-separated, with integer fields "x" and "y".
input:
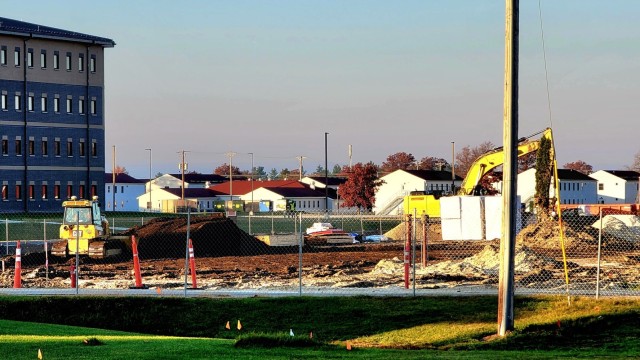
{"x": 84, "y": 212}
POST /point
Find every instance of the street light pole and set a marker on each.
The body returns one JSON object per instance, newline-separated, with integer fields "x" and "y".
{"x": 150, "y": 180}
{"x": 453, "y": 167}
{"x": 251, "y": 209}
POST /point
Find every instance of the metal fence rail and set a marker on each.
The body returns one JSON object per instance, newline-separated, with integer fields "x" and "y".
{"x": 272, "y": 253}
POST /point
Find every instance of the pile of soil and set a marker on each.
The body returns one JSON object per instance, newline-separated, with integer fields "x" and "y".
{"x": 211, "y": 236}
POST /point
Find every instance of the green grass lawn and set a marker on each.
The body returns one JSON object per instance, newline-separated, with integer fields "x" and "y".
{"x": 376, "y": 328}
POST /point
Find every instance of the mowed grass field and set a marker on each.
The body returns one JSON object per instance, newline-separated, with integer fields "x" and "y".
{"x": 323, "y": 328}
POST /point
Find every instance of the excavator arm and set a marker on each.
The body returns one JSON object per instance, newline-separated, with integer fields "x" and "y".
{"x": 495, "y": 158}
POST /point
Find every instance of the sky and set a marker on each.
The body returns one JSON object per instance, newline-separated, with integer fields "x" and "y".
{"x": 424, "y": 77}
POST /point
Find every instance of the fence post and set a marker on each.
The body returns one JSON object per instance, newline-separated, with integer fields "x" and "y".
{"x": 301, "y": 242}
{"x": 407, "y": 252}
{"x": 599, "y": 247}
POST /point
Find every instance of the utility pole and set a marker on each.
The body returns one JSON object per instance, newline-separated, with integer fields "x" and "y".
{"x": 509, "y": 193}
{"x": 350, "y": 155}
{"x": 150, "y": 180}
{"x": 113, "y": 180}
{"x": 326, "y": 177}
{"x": 300, "y": 158}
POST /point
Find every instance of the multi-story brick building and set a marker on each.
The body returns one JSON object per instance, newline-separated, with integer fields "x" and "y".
{"x": 51, "y": 116}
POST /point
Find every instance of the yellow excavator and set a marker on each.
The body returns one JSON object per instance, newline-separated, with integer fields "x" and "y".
{"x": 429, "y": 204}
{"x": 85, "y": 231}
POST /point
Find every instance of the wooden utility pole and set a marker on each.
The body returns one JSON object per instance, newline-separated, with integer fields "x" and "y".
{"x": 300, "y": 158}
{"x": 509, "y": 189}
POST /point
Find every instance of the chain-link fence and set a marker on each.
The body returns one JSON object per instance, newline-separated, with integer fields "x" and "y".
{"x": 327, "y": 253}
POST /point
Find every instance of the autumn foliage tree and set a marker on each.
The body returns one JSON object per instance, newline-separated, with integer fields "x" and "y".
{"x": 399, "y": 160}
{"x": 360, "y": 188}
{"x": 579, "y": 166}
{"x": 224, "y": 170}
{"x": 636, "y": 163}
{"x": 433, "y": 163}
{"x": 466, "y": 156}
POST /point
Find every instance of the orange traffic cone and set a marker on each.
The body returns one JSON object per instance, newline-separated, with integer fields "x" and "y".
{"x": 227, "y": 326}
{"x": 192, "y": 266}
{"x": 17, "y": 279}
{"x": 136, "y": 265}
{"x": 349, "y": 345}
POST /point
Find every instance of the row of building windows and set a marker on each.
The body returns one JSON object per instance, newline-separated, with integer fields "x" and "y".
{"x": 44, "y": 147}
{"x": 44, "y": 103}
{"x": 571, "y": 186}
{"x": 17, "y": 59}
{"x": 43, "y": 191}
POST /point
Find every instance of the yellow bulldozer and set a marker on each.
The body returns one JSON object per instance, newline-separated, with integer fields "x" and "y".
{"x": 429, "y": 204}
{"x": 85, "y": 231}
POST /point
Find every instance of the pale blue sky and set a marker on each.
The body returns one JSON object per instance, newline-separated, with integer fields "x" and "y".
{"x": 271, "y": 77}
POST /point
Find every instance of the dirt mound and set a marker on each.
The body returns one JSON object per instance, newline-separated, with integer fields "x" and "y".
{"x": 546, "y": 235}
{"x": 211, "y": 236}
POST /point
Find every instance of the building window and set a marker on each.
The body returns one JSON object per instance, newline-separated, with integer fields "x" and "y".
{"x": 45, "y": 147}
{"x": 81, "y": 191}
{"x": 16, "y": 56}
{"x": 44, "y": 192}
{"x": 32, "y": 147}
{"x": 69, "y": 191}
{"x": 69, "y": 105}
{"x": 601, "y": 186}
{"x": 56, "y": 147}
{"x": 18, "y": 147}
{"x": 93, "y": 107}
{"x": 69, "y": 147}
{"x": 30, "y": 58}
{"x": 94, "y": 149}
{"x": 5, "y": 147}
{"x": 81, "y": 147}
{"x": 30, "y": 102}
{"x": 3, "y": 101}
{"x": 32, "y": 191}
{"x": 43, "y": 59}
{"x": 56, "y": 105}
{"x": 18, "y": 102}
{"x": 92, "y": 64}
{"x": 18, "y": 192}
{"x": 81, "y": 106}
{"x": 43, "y": 103}
{"x": 81, "y": 62}
{"x": 68, "y": 61}
{"x": 94, "y": 190}
{"x": 5, "y": 192}
{"x": 56, "y": 191}
{"x": 56, "y": 60}
{"x": 3, "y": 55}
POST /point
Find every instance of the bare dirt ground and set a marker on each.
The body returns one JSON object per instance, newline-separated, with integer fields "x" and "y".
{"x": 228, "y": 258}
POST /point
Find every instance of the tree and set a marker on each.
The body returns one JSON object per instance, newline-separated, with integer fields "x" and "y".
{"x": 636, "y": 163}
{"x": 527, "y": 161}
{"x": 543, "y": 178}
{"x": 466, "y": 156}
{"x": 336, "y": 169}
{"x": 398, "y": 161}
{"x": 120, "y": 170}
{"x": 433, "y": 163}
{"x": 361, "y": 185}
{"x": 259, "y": 173}
{"x": 319, "y": 170}
{"x": 579, "y": 166}
{"x": 273, "y": 174}
{"x": 224, "y": 170}
{"x": 284, "y": 173}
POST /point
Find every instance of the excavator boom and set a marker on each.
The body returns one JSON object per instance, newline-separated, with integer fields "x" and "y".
{"x": 494, "y": 158}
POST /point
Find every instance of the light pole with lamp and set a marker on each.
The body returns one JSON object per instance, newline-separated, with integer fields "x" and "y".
{"x": 150, "y": 180}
